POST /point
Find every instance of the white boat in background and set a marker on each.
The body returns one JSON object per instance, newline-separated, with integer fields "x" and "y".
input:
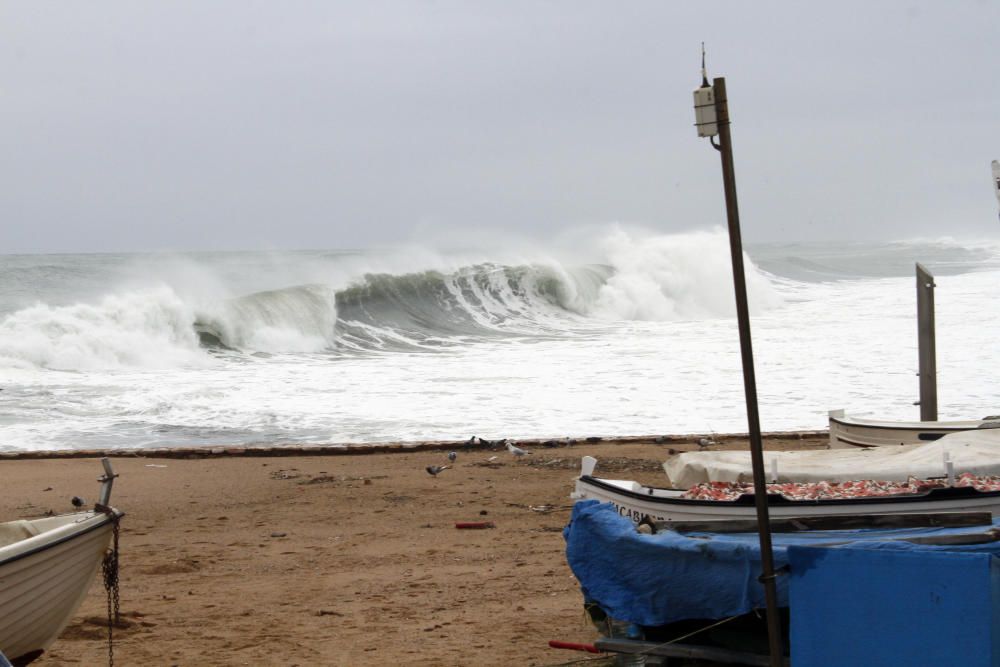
{"x": 636, "y": 501}
{"x": 46, "y": 568}
{"x": 976, "y": 451}
{"x": 853, "y": 432}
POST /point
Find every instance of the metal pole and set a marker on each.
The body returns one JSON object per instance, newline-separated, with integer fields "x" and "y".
{"x": 927, "y": 353}
{"x": 767, "y": 577}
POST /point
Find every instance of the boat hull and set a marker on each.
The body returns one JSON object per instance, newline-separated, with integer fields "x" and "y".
{"x": 848, "y": 432}
{"x": 635, "y": 501}
{"x": 44, "y": 579}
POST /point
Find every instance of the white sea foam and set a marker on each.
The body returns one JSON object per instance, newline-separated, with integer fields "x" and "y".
{"x": 147, "y": 329}
{"x": 684, "y": 276}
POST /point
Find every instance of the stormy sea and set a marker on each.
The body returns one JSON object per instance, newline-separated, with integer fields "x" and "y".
{"x": 629, "y": 334}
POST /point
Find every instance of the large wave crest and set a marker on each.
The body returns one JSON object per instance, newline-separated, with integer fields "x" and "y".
{"x": 658, "y": 278}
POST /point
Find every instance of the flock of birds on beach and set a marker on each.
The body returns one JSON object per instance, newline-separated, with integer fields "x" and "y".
{"x": 517, "y": 452}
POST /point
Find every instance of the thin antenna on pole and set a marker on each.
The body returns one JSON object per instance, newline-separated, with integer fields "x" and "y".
{"x": 704, "y": 72}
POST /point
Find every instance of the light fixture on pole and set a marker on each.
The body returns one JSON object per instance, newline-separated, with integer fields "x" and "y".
{"x": 705, "y": 118}
{"x": 712, "y": 119}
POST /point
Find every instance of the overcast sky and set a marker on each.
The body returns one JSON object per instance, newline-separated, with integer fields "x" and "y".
{"x": 240, "y": 125}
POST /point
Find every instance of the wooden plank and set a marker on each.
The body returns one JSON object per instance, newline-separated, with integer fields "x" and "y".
{"x": 710, "y": 653}
{"x": 834, "y": 522}
{"x": 927, "y": 355}
{"x": 941, "y": 540}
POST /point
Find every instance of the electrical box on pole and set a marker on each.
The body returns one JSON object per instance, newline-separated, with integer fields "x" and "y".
{"x": 705, "y": 118}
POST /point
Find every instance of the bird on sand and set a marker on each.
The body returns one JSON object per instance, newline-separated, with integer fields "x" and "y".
{"x": 434, "y": 470}
{"x": 77, "y": 501}
{"x": 452, "y": 456}
{"x": 515, "y": 450}
{"x": 705, "y": 442}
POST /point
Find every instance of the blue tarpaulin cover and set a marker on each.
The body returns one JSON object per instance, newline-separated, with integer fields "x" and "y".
{"x": 919, "y": 608}
{"x": 658, "y": 579}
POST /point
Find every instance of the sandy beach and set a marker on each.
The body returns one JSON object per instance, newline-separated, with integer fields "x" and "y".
{"x": 336, "y": 560}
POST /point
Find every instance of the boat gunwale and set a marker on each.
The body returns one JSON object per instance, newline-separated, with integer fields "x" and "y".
{"x": 778, "y": 500}
{"x": 104, "y": 520}
{"x": 949, "y": 427}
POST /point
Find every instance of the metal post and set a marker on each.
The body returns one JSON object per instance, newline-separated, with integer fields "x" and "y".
{"x": 927, "y": 353}
{"x": 767, "y": 577}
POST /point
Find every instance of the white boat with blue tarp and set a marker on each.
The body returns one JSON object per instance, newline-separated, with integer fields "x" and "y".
{"x": 699, "y": 586}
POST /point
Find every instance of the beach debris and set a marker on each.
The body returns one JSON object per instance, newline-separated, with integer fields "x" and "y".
{"x": 474, "y": 525}
{"x": 77, "y": 501}
{"x": 573, "y": 646}
{"x": 470, "y": 442}
{"x": 516, "y": 451}
{"x": 452, "y": 456}
{"x": 278, "y": 533}
{"x": 546, "y": 509}
{"x": 705, "y": 442}
{"x": 338, "y": 479}
{"x": 155, "y": 465}
{"x": 327, "y": 612}
{"x": 492, "y": 444}
{"x": 47, "y": 488}
{"x": 493, "y": 458}
{"x": 433, "y": 471}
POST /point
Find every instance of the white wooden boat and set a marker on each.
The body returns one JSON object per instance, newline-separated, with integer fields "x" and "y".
{"x": 853, "y": 432}
{"x": 635, "y": 501}
{"x": 46, "y": 568}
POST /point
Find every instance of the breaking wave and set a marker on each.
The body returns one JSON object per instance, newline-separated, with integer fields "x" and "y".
{"x": 653, "y": 279}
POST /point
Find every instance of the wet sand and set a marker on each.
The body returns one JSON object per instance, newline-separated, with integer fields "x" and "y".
{"x": 336, "y": 560}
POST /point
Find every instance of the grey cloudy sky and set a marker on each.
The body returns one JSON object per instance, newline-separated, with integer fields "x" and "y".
{"x": 232, "y": 124}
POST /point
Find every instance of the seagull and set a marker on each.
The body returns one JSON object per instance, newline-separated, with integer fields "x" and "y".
{"x": 452, "y": 456}
{"x": 78, "y": 501}
{"x": 516, "y": 451}
{"x": 705, "y": 442}
{"x": 434, "y": 470}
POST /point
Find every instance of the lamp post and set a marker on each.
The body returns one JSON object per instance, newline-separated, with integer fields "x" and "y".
{"x": 711, "y": 119}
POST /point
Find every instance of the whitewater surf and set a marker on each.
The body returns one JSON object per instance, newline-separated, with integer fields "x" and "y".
{"x": 636, "y": 335}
